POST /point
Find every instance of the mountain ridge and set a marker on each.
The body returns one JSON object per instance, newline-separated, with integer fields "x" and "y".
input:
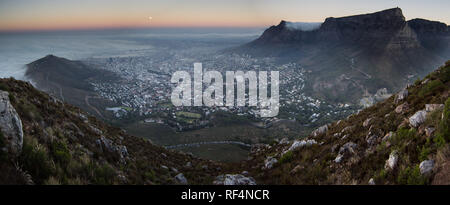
{"x": 374, "y": 51}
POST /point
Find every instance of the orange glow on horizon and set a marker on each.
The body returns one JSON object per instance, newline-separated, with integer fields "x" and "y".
{"x": 78, "y": 24}
{"x": 101, "y": 14}
{"x": 76, "y": 21}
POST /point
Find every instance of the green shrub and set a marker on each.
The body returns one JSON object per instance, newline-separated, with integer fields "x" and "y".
{"x": 430, "y": 87}
{"x": 380, "y": 177}
{"x": 287, "y": 157}
{"x": 28, "y": 111}
{"x": 61, "y": 153}
{"x": 3, "y": 155}
{"x": 11, "y": 98}
{"x": 2, "y": 139}
{"x": 149, "y": 175}
{"x": 443, "y": 131}
{"x": 36, "y": 161}
{"x": 411, "y": 176}
{"x": 3, "y": 87}
{"x": 445, "y": 73}
{"x": 404, "y": 134}
{"x": 424, "y": 152}
{"x": 104, "y": 174}
{"x": 439, "y": 140}
{"x": 418, "y": 81}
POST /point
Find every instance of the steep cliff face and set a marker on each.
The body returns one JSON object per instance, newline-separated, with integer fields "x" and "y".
{"x": 10, "y": 126}
{"x": 367, "y": 29}
{"x": 433, "y": 35}
{"x": 364, "y": 29}
{"x": 369, "y": 51}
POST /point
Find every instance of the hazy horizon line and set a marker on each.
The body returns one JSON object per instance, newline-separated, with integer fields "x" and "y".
{"x": 45, "y": 30}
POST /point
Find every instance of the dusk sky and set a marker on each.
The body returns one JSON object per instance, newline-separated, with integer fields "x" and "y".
{"x": 83, "y": 14}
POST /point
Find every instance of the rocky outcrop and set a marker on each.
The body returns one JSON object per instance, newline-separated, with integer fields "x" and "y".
{"x": 401, "y": 95}
{"x": 378, "y": 139}
{"x": 300, "y": 143}
{"x": 426, "y": 167}
{"x": 371, "y": 181}
{"x": 234, "y": 179}
{"x": 388, "y": 136}
{"x": 371, "y": 139}
{"x": 180, "y": 179}
{"x": 433, "y": 107}
{"x": 391, "y": 163}
{"x": 320, "y": 130}
{"x": 10, "y": 125}
{"x": 346, "y": 150}
{"x": 269, "y": 162}
{"x": 418, "y": 118}
{"x": 402, "y": 108}
{"x": 107, "y": 145}
{"x": 429, "y": 131}
{"x": 367, "y": 122}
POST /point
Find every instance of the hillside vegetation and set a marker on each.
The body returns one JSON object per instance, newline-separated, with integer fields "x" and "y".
{"x": 402, "y": 140}
{"x": 64, "y": 145}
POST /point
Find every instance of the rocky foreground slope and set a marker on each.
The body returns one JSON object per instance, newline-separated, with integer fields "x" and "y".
{"x": 402, "y": 140}
{"x": 46, "y": 141}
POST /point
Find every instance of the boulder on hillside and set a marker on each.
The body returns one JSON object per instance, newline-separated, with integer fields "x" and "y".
{"x": 107, "y": 145}
{"x": 180, "y": 179}
{"x": 346, "y": 150}
{"x": 388, "y": 136}
{"x": 429, "y": 131}
{"x": 391, "y": 163}
{"x": 269, "y": 162}
{"x": 418, "y": 118}
{"x": 234, "y": 179}
{"x": 347, "y": 129}
{"x": 371, "y": 181}
{"x": 402, "y": 108}
{"x": 284, "y": 141}
{"x": 401, "y": 95}
{"x": 371, "y": 139}
{"x": 320, "y": 130}
{"x": 426, "y": 167}
{"x": 433, "y": 107}
{"x": 367, "y": 122}
{"x": 10, "y": 125}
{"x": 301, "y": 143}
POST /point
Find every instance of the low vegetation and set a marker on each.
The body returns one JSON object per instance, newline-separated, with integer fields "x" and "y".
{"x": 63, "y": 145}
{"x": 320, "y": 164}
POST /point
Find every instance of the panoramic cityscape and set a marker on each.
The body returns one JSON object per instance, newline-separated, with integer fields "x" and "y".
{"x": 238, "y": 92}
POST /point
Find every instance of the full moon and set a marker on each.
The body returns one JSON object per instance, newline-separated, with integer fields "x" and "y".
{"x": 150, "y": 18}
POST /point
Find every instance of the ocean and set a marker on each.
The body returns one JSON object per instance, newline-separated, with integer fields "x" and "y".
{"x": 20, "y": 48}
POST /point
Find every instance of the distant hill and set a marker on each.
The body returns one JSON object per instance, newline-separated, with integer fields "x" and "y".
{"x": 352, "y": 56}
{"x": 66, "y": 72}
{"x": 70, "y": 81}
